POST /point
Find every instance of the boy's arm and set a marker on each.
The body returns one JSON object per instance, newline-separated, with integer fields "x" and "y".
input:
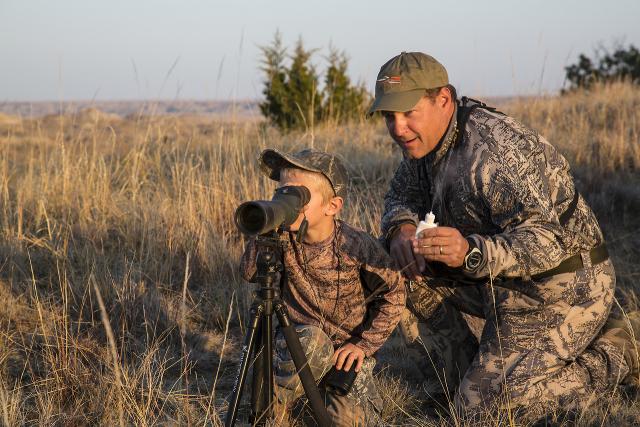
{"x": 248, "y": 260}
{"x": 386, "y": 285}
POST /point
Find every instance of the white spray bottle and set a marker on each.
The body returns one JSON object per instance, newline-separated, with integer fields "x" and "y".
{"x": 429, "y": 222}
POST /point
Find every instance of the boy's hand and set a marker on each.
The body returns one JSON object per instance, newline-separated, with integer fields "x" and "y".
{"x": 346, "y": 355}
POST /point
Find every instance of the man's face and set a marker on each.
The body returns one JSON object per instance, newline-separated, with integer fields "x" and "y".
{"x": 419, "y": 130}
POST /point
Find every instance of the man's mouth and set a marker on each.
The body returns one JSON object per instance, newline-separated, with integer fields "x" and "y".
{"x": 409, "y": 142}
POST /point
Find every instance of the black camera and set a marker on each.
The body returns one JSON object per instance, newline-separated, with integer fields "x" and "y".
{"x": 261, "y": 216}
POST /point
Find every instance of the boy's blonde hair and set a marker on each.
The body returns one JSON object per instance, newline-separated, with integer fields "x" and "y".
{"x": 321, "y": 182}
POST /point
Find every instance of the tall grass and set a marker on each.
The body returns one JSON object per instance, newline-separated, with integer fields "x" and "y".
{"x": 118, "y": 252}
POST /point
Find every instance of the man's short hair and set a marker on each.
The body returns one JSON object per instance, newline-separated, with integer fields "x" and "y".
{"x": 433, "y": 93}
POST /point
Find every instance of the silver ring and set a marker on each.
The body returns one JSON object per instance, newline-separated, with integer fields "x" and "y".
{"x": 441, "y": 251}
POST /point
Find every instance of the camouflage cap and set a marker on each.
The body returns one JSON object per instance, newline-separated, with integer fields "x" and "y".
{"x": 272, "y": 161}
{"x": 403, "y": 80}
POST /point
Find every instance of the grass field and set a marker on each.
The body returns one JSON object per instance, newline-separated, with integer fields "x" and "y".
{"x": 118, "y": 254}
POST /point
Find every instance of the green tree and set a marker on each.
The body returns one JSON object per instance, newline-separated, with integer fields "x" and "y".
{"x": 343, "y": 101}
{"x": 292, "y": 97}
{"x": 621, "y": 64}
{"x": 275, "y": 106}
{"x": 304, "y": 98}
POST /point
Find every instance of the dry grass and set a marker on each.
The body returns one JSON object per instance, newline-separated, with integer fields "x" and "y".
{"x": 118, "y": 253}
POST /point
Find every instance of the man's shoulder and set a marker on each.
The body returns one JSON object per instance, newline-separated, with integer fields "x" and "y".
{"x": 496, "y": 126}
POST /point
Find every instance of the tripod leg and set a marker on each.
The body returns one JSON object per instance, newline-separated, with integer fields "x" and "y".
{"x": 302, "y": 367}
{"x": 257, "y": 384}
{"x": 262, "y": 395}
{"x": 248, "y": 346}
{"x": 267, "y": 340}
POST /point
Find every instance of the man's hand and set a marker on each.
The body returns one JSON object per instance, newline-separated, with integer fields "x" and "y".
{"x": 444, "y": 244}
{"x": 402, "y": 252}
{"x": 346, "y": 355}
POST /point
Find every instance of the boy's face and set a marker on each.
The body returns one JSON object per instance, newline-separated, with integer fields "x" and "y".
{"x": 316, "y": 209}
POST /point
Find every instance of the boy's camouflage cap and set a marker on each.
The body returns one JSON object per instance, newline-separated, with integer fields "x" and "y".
{"x": 403, "y": 79}
{"x": 272, "y": 161}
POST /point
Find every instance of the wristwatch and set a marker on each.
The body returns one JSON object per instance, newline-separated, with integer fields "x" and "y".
{"x": 473, "y": 258}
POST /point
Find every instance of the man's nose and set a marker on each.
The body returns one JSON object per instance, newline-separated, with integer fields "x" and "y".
{"x": 398, "y": 124}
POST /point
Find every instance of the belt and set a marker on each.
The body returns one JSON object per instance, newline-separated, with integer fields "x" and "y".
{"x": 574, "y": 263}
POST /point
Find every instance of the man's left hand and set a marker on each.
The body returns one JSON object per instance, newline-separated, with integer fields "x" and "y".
{"x": 444, "y": 244}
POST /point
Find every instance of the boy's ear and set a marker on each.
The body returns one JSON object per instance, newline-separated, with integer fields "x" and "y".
{"x": 334, "y": 206}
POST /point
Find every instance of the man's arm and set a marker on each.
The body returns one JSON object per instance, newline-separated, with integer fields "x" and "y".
{"x": 403, "y": 202}
{"x": 518, "y": 193}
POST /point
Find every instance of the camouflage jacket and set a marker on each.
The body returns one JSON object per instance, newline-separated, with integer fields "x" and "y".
{"x": 504, "y": 186}
{"x": 328, "y": 283}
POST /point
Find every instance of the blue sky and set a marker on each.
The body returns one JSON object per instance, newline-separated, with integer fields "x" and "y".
{"x": 196, "y": 49}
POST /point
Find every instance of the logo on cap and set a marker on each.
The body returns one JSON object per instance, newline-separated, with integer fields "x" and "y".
{"x": 390, "y": 80}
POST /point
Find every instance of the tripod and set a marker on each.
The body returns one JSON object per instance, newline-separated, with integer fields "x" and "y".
{"x": 258, "y": 343}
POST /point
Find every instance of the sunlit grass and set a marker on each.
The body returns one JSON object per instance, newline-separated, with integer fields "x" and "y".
{"x": 139, "y": 212}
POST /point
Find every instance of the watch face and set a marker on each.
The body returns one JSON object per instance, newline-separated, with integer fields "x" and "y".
{"x": 473, "y": 260}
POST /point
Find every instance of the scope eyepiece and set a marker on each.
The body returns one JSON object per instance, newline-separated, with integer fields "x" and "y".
{"x": 261, "y": 216}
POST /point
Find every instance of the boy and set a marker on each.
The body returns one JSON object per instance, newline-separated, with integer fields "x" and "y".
{"x": 341, "y": 289}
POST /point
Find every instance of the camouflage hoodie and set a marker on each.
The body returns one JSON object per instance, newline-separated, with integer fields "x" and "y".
{"x": 328, "y": 282}
{"x": 503, "y": 185}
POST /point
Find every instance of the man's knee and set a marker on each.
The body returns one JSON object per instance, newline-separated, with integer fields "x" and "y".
{"x": 440, "y": 347}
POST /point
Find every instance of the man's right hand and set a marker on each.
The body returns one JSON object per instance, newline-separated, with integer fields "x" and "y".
{"x": 401, "y": 248}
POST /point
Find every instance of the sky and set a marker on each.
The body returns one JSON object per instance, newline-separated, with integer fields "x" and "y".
{"x": 67, "y": 50}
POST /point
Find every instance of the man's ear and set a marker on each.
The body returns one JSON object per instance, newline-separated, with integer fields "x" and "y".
{"x": 444, "y": 97}
{"x": 334, "y": 206}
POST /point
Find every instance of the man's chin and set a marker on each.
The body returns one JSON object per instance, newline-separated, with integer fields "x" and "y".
{"x": 414, "y": 154}
{"x": 412, "y": 149}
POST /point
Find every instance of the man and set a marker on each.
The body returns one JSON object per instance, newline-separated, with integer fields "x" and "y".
{"x": 516, "y": 245}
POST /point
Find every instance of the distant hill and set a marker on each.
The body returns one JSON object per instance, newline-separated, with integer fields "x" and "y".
{"x": 245, "y": 109}
{"x": 240, "y": 109}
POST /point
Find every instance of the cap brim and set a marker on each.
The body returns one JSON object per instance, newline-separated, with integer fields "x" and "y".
{"x": 396, "y": 101}
{"x": 272, "y": 161}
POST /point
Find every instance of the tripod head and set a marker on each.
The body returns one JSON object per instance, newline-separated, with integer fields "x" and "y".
{"x": 270, "y": 249}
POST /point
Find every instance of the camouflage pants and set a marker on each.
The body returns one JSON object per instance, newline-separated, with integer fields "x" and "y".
{"x": 541, "y": 347}
{"x": 358, "y": 408}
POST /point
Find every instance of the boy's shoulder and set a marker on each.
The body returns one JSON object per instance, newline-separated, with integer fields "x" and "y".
{"x": 352, "y": 234}
{"x": 361, "y": 245}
